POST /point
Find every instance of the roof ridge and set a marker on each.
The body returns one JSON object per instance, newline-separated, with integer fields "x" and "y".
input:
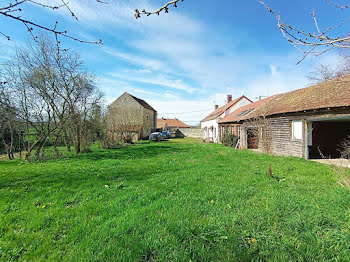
{"x": 232, "y": 103}
{"x": 142, "y": 102}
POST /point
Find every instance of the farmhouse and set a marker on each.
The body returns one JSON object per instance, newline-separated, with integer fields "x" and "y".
{"x": 170, "y": 124}
{"x": 131, "y": 115}
{"x": 210, "y": 123}
{"x": 309, "y": 122}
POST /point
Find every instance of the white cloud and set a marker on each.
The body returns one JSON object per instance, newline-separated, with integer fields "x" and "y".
{"x": 148, "y": 64}
{"x": 273, "y": 69}
{"x": 196, "y": 66}
{"x": 159, "y": 79}
{"x": 120, "y": 14}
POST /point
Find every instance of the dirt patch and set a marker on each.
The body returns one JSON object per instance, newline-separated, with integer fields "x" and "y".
{"x": 5, "y": 156}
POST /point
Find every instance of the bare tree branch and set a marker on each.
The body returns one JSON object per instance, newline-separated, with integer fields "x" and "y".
{"x": 15, "y": 10}
{"x": 316, "y": 43}
{"x": 164, "y": 8}
{"x": 322, "y": 40}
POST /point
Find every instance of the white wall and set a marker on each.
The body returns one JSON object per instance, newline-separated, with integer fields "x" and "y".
{"x": 209, "y": 133}
{"x": 213, "y": 134}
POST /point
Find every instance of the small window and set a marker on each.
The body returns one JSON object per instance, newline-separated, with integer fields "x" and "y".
{"x": 297, "y": 130}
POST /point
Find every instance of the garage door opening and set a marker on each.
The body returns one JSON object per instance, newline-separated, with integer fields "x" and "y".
{"x": 324, "y": 138}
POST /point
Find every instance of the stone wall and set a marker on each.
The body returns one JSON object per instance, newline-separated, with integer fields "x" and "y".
{"x": 193, "y": 132}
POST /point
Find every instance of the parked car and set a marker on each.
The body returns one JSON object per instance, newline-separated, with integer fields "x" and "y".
{"x": 167, "y": 134}
{"x": 157, "y": 136}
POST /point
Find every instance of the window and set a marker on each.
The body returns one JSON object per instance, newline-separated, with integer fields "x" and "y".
{"x": 297, "y": 130}
{"x": 245, "y": 112}
{"x": 239, "y": 131}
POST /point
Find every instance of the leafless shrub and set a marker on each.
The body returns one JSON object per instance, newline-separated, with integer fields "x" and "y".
{"x": 261, "y": 128}
{"x": 344, "y": 148}
{"x": 124, "y": 124}
{"x": 228, "y": 139}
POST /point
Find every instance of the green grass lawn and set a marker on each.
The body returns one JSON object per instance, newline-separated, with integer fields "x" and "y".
{"x": 178, "y": 200}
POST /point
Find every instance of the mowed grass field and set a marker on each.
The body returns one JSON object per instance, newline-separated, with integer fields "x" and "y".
{"x": 178, "y": 200}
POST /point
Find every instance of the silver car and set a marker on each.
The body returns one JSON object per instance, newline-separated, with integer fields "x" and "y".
{"x": 157, "y": 136}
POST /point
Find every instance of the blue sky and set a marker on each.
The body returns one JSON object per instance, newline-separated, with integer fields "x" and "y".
{"x": 189, "y": 59}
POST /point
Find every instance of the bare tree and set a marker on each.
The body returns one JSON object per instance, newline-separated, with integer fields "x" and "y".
{"x": 80, "y": 93}
{"x": 50, "y": 91}
{"x": 321, "y": 74}
{"x": 16, "y": 9}
{"x": 7, "y": 131}
{"x": 123, "y": 123}
{"x": 11, "y": 128}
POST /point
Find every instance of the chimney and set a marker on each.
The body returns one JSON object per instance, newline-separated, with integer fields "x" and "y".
{"x": 229, "y": 98}
{"x": 216, "y": 107}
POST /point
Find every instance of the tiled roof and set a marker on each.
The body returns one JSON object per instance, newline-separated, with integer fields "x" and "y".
{"x": 161, "y": 124}
{"x": 244, "y": 111}
{"x": 171, "y": 123}
{"x": 330, "y": 94}
{"x": 218, "y": 112}
{"x": 143, "y": 103}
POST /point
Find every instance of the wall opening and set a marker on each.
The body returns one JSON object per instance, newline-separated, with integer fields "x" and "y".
{"x": 252, "y": 138}
{"x": 324, "y": 138}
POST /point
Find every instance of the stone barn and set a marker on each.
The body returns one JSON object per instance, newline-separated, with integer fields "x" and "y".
{"x": 131, "y": 116}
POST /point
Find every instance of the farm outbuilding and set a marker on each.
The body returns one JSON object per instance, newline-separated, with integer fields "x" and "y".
{"x": 131, "y": 115}
{"x": 310, "y": 122}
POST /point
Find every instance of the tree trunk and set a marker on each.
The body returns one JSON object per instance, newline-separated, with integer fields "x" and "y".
{"x": 57, "y": 152}
{"x": 78, "y": 140}
{"x": 43, "y": 150}
{"x": 11, "y": 142}
{"x": 67, "y": 141}
{"x": 9, "y": 155}
{"x": 31, "y": 148}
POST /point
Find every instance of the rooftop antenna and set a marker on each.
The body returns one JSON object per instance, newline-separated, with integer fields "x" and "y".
{"x": 260, "y": 97}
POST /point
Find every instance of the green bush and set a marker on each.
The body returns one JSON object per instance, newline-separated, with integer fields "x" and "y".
{"x": 229, "y": 140}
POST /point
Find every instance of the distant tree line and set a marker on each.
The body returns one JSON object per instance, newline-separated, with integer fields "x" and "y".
{"x": 47, "y": 98}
